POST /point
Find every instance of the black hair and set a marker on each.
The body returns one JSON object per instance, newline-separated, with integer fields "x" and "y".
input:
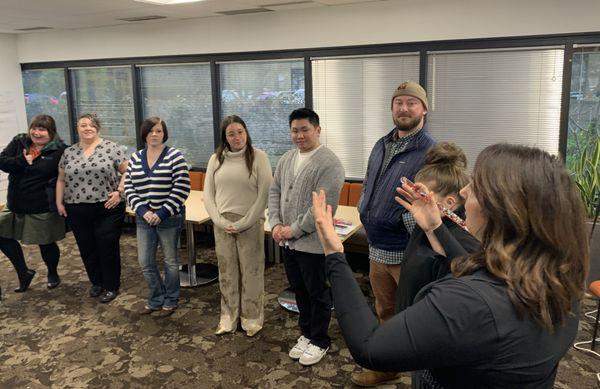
{"x": 304, "y": 113}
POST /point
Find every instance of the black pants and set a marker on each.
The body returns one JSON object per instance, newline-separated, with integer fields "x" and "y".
{"x": 12, "y": 249}
{"x": 306, "y": 274}
{"x": 97, "y": 231}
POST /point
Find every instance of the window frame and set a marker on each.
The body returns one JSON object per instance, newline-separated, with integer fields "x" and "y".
{"x": 423, "y": 47}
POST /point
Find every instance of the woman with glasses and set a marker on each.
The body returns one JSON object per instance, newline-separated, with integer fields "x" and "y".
{"x": 235, "y": 194}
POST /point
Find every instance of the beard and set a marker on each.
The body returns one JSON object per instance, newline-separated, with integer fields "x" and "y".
{"x": 407, "y": 125}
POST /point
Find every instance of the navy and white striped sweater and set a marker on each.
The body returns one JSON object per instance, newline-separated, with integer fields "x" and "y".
{"x": 162, "y": 189}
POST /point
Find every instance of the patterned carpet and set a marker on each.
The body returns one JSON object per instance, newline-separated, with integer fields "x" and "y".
{"x": 64, "y": 339}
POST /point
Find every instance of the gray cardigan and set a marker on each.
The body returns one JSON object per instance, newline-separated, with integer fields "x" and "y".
{"x": 290, "y": 197}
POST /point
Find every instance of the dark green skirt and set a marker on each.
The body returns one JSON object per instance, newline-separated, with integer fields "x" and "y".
{"x": 37, "y": 228}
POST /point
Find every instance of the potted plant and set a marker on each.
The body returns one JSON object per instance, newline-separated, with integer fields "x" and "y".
{"x": 586, "y": 174}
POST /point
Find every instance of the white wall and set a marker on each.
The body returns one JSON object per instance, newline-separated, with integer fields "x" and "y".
{"x": 367, "y": 23}
{"x": 12, "y": 105}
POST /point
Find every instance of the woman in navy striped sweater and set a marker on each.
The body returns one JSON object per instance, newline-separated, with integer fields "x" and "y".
{"x": 156, "y": 186}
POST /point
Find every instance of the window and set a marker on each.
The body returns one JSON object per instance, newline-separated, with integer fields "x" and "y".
{"x": 45, "y": 93}
{"x": 583, "y": 141}
{"x": 478, "y": 98}
{"x": 107, "y": 93}
{"x": 353, "y": 99}
{"x": 584, "y": 107}
{"x": 264, "y": 94}
{"x": 181, "y": 96}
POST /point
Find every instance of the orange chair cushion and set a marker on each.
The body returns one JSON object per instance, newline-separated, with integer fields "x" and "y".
{"x": 197, "y": 180}
{"x": 595, "y": 288}
{"x": 354, "y": 193}
{"x": 344, "y": 194}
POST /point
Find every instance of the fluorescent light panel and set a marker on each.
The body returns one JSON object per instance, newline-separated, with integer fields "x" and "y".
{"x": 168, "y": 2}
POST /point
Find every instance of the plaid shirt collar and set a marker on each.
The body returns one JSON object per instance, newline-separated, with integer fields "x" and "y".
{"x": 404, "y": 140}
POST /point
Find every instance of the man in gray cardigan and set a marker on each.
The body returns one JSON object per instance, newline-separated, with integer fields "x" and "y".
{"x": 307, "y": 168}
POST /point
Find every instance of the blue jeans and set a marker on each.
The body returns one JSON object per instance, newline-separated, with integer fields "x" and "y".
{"x": 162, "y": 293}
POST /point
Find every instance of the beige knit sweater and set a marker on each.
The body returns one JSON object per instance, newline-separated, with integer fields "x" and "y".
{"x": 231, "y": 189}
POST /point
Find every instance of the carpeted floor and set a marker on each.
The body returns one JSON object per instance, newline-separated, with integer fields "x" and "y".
{"x": 64, "y": 339}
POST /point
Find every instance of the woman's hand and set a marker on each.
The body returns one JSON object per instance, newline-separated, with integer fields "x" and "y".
{"x": 423, "y": 208}
{"x": 230, "y": 229}
{"x": 324, "y": 222}
{"x": 151, "y": 218}
{"x": 114, "y": 199}
{"x": 60, "y": 207}
{"x": 28, "y": 157}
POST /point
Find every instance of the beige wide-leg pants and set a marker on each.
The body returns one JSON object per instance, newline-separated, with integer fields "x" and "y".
{"x": 241, "y": 260}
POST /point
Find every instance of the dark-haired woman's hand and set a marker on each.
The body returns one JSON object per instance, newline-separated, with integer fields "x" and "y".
{"x": 28, "y": 157}
{"x": 423, "y": 207}
{"x": 324, "y": 222}
{"x": 60, "y": 208}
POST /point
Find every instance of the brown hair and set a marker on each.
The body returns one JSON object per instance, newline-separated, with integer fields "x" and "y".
{"x": 93, "y": 118}
{"x": 445, "y": 168}
{"x": 248, "y": 154}
{"x": 44, "y": 121}
{"x": 534, "y": 238}
{"x": 147, "y": 126}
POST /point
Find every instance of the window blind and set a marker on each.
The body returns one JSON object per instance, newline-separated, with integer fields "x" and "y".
{"x": 353, "y": 99}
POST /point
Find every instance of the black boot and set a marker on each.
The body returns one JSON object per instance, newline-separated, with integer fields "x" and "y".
{"x": 53, "y": 280}
{"x": 25, "y": 281}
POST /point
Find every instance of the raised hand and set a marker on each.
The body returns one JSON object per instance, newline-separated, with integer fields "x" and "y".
{"x": 324, "y": 222}
{"x": 423, "y": 208}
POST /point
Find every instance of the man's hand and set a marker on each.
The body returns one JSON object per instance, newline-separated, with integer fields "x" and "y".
{"x": 286, "y": 233}
{"x": 276, "y": 233}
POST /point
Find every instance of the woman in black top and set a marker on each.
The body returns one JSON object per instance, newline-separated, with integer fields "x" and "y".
{"x": 508, "y": 313}
{"x": 31, "y": 161}
{"x": 445, "y": 174}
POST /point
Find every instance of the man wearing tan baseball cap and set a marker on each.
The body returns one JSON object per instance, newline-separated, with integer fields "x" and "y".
{"x": 388, "y": 225}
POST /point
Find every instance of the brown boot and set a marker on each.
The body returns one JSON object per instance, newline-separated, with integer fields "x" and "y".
{"x": 372, "y": 378}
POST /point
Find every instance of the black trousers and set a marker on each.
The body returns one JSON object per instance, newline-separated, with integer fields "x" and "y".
{"x": 306, "y": 275}
{"x": 12, "y": 249}
{"x": 97, "y": 231}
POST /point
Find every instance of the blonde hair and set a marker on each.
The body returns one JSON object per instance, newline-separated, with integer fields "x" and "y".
{"x": 445, "y": 169}
{"x": 93, "y": 118}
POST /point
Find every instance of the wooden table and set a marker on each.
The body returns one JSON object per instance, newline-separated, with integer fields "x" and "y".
{"x": 195, "y": 274}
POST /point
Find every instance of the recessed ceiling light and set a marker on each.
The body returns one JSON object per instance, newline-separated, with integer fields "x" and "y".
{"x": 168, "y": 2}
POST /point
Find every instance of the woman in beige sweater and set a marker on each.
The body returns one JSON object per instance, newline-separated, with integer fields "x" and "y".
{"x": 235, "y": 194}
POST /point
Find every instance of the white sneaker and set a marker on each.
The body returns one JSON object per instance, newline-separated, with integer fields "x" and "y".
{"x": 297, "y": 351}
{"x": 312, "y": 355}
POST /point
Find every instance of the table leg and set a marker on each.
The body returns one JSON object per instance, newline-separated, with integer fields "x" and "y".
{"x": 196, "y": 274}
